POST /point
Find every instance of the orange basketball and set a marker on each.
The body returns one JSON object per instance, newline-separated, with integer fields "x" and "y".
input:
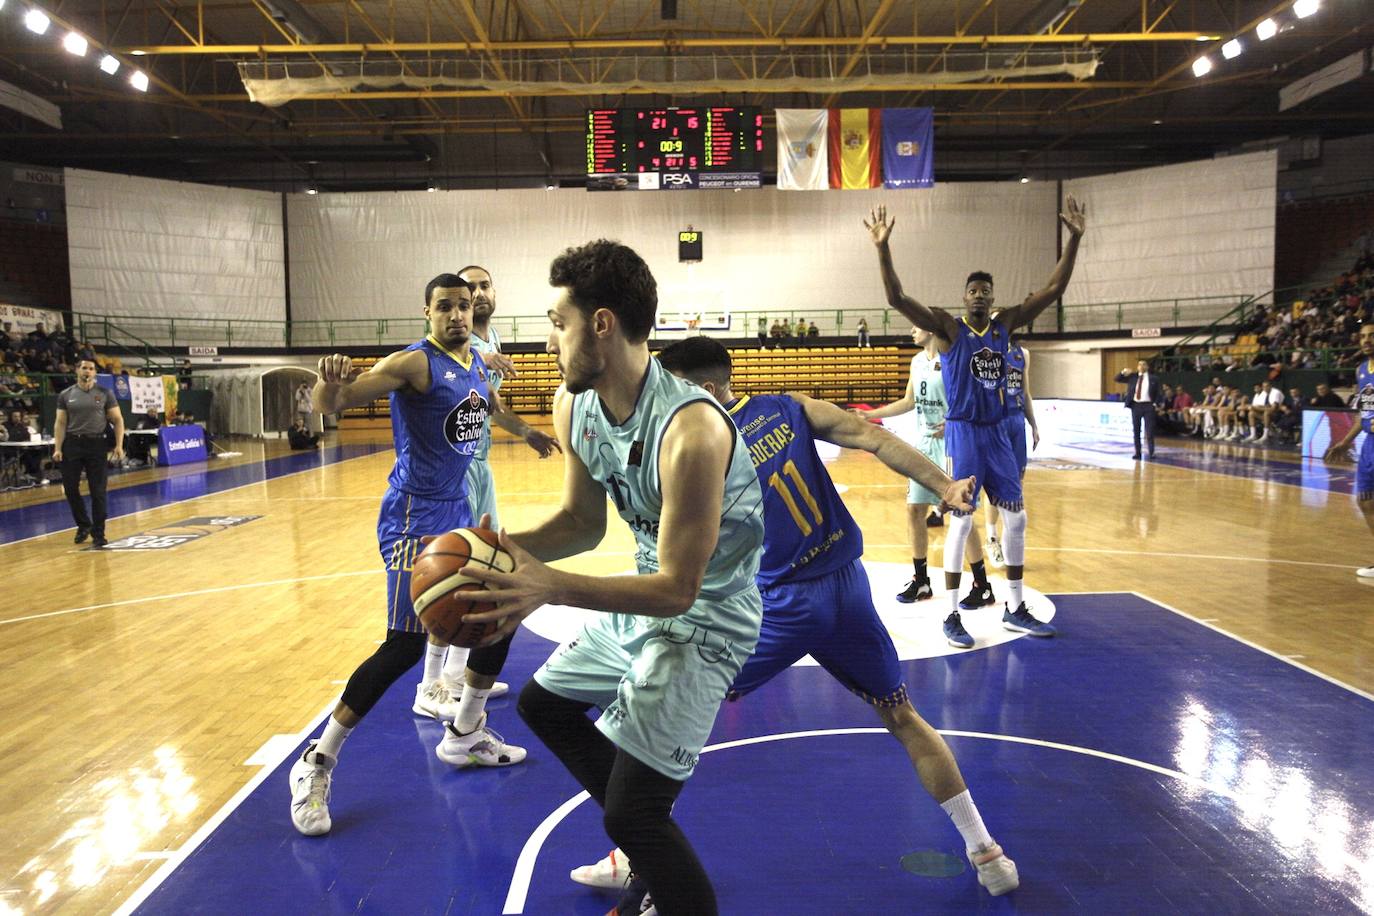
{"x": 443, "y": 597}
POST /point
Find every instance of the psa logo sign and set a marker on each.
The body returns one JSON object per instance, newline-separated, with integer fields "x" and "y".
{"x": 679, "y": 180}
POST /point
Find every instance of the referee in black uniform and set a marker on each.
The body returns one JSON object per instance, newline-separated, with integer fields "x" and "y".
{"x": 83, "y": 412}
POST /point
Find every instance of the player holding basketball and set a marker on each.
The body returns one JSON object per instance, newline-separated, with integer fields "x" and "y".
{"x": 974, "y": 348}
{"x": 440, "y": 400}
{"x": 925, "y": 392}
{"x": 660, "y": 659}
{"x": 1364, "y": 403}
{"x": 441, "y": 688}
{"x": 816, "y": 598}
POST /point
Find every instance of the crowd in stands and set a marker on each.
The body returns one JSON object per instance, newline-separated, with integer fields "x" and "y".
{"x": 24, "y": 358}
{"x": 1264, "y": 415}
{"x": 782, "y": 331}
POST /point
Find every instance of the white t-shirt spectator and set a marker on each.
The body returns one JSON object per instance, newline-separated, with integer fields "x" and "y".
{"x": 1275, "y": 397}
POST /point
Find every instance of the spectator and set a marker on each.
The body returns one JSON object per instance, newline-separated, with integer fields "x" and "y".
{"x": 763, "y": 332}
{"x": 141, "y": 446}
{"x": 777, "y": 332}
{"x": 1326, "y": 398}
{"x": 863, "y": 333}
{"x": 1288, "y": 419}
{"x": 1263, "y": 407}
{"x": 184, "y": 373}
{"x": 812, "y": 330}
{"x": 17, "y": 429}
{"x": 800, "y": 331}
{"x": 300, "y": 437}
{"x": 1180, "y": 410}
{"x": 303, "y": 405}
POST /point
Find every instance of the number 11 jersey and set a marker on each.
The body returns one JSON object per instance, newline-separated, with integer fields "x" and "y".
{"x": 808, "y": 532}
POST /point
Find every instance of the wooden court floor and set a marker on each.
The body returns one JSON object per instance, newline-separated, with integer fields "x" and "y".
{"x": 139, "y": 684}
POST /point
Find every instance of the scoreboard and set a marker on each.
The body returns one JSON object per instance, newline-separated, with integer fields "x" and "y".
{"x": 674, "y": 148}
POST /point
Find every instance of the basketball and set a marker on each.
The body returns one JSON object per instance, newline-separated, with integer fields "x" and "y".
{"x": 443, "y": 597}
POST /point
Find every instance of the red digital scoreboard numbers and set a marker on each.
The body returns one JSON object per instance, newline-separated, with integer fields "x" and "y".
{"x": 680, "y": 145}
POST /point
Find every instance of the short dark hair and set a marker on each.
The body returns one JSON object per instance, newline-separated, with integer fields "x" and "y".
{"x": 698, "y": 359}
{"x": 445, "y": 281}
{"x": 977, "y": 275}
{"x": 464, "y": 270}
{"x": 87, "y": 359}
{"x": 607, "y": 274}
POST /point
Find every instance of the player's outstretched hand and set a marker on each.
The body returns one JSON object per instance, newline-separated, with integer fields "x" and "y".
{"x": 879, "y": 226}
{"x": 1035, "y": 438}
{"x": 959, "y": 495}
{"x": 516, "y": 594}
{"x": 542, "y": 443}
{"x": 501, "y": 363}
{"x": 335, "y": 368}
{"x": 1337, "y": 453}
{"x": 1074, "y": 217}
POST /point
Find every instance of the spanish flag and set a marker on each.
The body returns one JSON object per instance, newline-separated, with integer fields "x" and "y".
{"x": 856, "y": 148}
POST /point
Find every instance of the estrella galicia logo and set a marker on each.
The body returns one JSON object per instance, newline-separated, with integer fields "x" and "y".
{"x": 1365, "y": 401}
{"x": 467, "y": 421}
{"x": 987, "y": 366}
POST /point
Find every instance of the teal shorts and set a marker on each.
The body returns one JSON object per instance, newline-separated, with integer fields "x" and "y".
{"x": 481, "y": 490}
{"x": 934, "y": 449}
{"x": 658, "y": 681}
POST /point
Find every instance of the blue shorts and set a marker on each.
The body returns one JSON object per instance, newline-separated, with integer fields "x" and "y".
{"x": 405, "y": 519}
{"x": 984, "y": 452}
{"x": 832, "y": 619}
{"x": 1016, "y": 432}
{"x": 1364, "y": 472}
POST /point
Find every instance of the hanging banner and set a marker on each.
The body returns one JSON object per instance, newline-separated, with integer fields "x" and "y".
{"x": 803, "y": 153}
{"x": 908, "y": 148}
{"x": 855, "y": 148}
{"x": 145, "y": 394}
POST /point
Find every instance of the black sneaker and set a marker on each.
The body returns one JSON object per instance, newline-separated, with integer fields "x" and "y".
{"x": 979, "y": 596}
{"x": 935, "y": 520}
{"x": 633, "y": 899}
{"x": 81, "y": 535}
{"x": 916, "y": 590}
{"x": 98, "y": 541}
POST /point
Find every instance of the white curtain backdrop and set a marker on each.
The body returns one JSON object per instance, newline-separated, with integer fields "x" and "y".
{"x": 1194, "y": 229}
{"x": 370, "y": 255}
{"x": 142, "y": 246}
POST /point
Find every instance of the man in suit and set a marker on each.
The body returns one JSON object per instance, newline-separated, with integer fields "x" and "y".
{"x": 1144, "y": 395}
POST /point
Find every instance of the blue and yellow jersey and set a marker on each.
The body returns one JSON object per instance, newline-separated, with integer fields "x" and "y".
{"x": 1364, "y": 395}
{"x": 975, "y": 370}
{"x": 437, "y": 434}
{"x": 1016, "y": 380}
{"x": 808, "y": 532}
{"x": 483, "y": 347}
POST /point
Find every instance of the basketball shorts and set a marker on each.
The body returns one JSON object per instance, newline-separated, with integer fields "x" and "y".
{"x": 481, "y": 490}
{"x": 1016, "y": 432}
{"x": 832, "y": 619}
{"x": 933, "y": 448}
{"x": 984, "y": 452}
{"x": 659, "y": 682}
{"x": 1364, "y": 471}
{"x": 405, "y": 519}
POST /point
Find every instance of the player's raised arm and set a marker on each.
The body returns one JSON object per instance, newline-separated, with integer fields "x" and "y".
{"x": 335, "y": 391}
{"x": 1075, "y": 219}
{"x": 905, "y": 404}
{"x": 832, "y": 424}
{"x": 937, "y": 321}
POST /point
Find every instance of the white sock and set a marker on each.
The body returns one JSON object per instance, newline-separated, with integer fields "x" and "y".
{"x": 333, "y": 738}
{"x": 952, "y": 594}
{"x": 434, "y": 662}
{"x": 455, "y": 664}
{"x": 1015, "y": 590}
{"x": 470, "y": 708}
{"x": 967, "y": 821}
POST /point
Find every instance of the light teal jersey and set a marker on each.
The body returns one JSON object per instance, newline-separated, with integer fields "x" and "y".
{"x": 624, "y": 460}
{"x": 491, "y": 345}
{"x": 928, "y": 387}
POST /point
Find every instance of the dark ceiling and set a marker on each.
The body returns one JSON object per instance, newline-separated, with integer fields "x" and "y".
{"x": 492, "y": 93}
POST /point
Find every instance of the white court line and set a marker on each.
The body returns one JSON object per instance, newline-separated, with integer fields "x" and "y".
{"x": 177, "y": 502}
{"x": 184, "y": 851}
{"x": 518, "y": 893}
{"x": 199, "y": 591}
{"x": 1288, "y": 660}
{"x": 1147, "y": 553}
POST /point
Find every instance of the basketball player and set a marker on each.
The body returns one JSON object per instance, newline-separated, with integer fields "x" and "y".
{"x": 925, "y": 390}
{"x": 441, "y": 687}
{"x": 1020, "y": 411}
{"x": 1364, "y": 403}
{"x": 974, "y": 371}
{"x": 816, "y": 597}
{"x": 440, "y": 399}
{"x": 661, "y": 657}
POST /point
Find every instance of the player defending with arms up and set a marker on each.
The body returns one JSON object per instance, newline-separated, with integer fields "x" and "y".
{"x": 974, "y": 348}
{"x": 1364, "y": 403}
{"x": 440, "y": 399}
{"x": 661, "y": 657}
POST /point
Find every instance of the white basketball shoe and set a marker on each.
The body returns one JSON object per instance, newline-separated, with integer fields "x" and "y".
{"x": 435, "y": 700}
{"x": 310, "y": 777}
{"x": 996, "y": 872}
{"x": 479, "y": 747}
{"x": 609, "y": 874}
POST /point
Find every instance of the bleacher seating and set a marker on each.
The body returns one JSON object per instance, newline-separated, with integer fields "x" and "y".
{"x": 844, "y": 375}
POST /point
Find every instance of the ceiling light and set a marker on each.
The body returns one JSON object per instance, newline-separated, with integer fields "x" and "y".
{"x": 138, "y": 53}
{"x": 1231, "y": 49}
{"x": 550, "y": 186}
{"x": 1025, "y": 179}
{"x": 1156, "y": 121}
{"x": 1266, "y": 30}
{"x": 37, "y": 21}
{"x": 76, "y": 43}
{"x": 139, "y": 80}
{"x": 312, "y": 190}
{"x": 1304, "y": 8}
{"x": 1202, "y": 66}
{"x": 431, "y": 188}
{"x": 109, "y": 64}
